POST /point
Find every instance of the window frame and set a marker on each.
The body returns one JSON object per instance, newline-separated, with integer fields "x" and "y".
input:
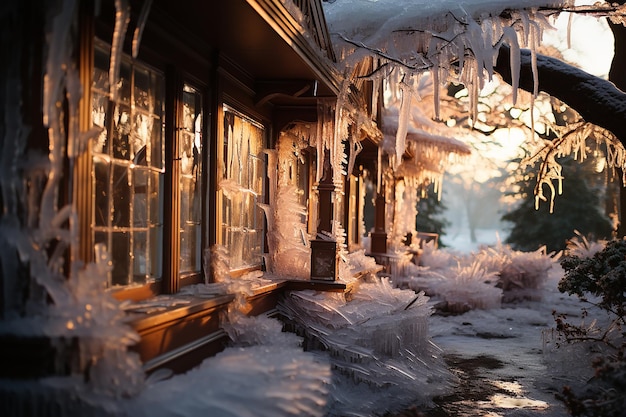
{"x": 150, "y": 285}
{"x": 174, "y": 80}
{"x": 248, "y": 115}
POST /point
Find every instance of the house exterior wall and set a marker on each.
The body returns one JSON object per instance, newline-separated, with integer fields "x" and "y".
{"x": 183, "y": 59}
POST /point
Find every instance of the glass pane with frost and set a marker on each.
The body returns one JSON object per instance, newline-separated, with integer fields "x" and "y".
{"x": 155, "y": 254}
{"x": 121, "y": 257}
{"x": 121, "y": 132}
{"x": 121, "y": 194}
{"x": 140, "y": 197}
{"x": 101, "y": 176}
{"x": 155, "y": 192}
{"x": 140, "y": 256}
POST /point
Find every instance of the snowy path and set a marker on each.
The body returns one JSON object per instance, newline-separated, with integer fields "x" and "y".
{"x": 498, "y": 356}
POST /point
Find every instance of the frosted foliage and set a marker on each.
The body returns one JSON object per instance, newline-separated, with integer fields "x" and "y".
{"x": 62, "y": 305}
{"x": 437, "y": 259}
{"x": 580, "y": 247}
{"x": 259, "y": 330}
{"x": 220, "y": 263}
{"x": 288, "y": 242}
{"x": 378, "y": 339}
{"x": 456, "y": 42}
{"x": 469, "y": 287}
{"x": 359, "y": 262}
{"x": 481, "y": 280}
{"x": 572, "y": 139}
{"x": 250, "y": 381}
{"x": 525, "y": 275}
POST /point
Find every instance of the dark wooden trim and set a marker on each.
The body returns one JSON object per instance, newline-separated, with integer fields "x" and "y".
{"x": 286, "y": 26}
{"x": 215, "y": 125}
{"x": 83, "y": 187}
{"x": 333, "y": 286}
{"x": 190, "y": 355}
{"x": 137, "y": 293}
{"x": 177, "y": 326}
{"x": 171, "y": 203}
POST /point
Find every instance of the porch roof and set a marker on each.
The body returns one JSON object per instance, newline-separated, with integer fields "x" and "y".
{"x": 263, "y": 38}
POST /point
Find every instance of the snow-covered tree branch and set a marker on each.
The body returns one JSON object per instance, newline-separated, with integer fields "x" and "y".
{"x": 597, "y": 100}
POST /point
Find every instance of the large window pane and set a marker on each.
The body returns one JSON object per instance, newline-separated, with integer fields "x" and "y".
{"x": 127, "y": 169}
{"x": 244, "y": 169}
{"x": 190, "y": 148}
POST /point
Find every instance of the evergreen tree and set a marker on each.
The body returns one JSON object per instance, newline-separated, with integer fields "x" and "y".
{"x": 577, "y": 208}
{"x": 429, "y": 211}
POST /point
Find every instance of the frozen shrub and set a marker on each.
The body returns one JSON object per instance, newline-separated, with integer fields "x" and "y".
{"x": 581, "y": 247}
{"x": 599, "y": 281}
{"x": 470, "y": 287}
{"x": 524, "y": 274}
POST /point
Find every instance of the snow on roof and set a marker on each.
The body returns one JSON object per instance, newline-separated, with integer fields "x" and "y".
{"x": 424, "y": 135}
{"x": 371, "y": 21}
{"x": 451, "y": 40}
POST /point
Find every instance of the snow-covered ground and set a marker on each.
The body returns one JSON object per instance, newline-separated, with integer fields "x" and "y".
{"x": 459, "y": 239}
{"x": 526, "y": 373}
{"x": 501, "y": 359}
{"x": 380, "y": 352}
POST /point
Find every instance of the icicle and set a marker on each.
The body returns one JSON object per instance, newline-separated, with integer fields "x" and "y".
{"x": 534, "y": 44}
{"x": 514, "y": 59}
{"x": 321, "y": 122}
{"x": 570, "y": 20}
{"x": 403, "y": 121}
{"x": 436, "y": 98}
{"x": 122, "y": 18}
{"x": 375, "y": 94}
{"x": 54, "y": 83}
{"x": 141, "y": 24}
{"x": 525, "y": 27}
{"x": 57, "y": 58}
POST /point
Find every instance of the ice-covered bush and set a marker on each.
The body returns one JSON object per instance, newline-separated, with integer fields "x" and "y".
{"x": 437, "y": 259}
{"x": 525, "y": 274}
{"x": 599, "y": 282}
{"x": 468, "y": 287}
{"x": 377, "y": 342}
{"x": 581, "y": 247}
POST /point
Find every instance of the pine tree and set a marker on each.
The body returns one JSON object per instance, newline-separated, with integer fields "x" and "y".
{"x": 429, "y": 210}
{"x": 578, "y": 208}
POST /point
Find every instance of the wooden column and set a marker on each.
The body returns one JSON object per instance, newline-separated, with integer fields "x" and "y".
{"x": 378, "y": 238}
{"x": 324, "y": 264}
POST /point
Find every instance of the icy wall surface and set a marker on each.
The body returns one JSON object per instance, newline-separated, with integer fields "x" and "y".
{"x": 64, "y": 303}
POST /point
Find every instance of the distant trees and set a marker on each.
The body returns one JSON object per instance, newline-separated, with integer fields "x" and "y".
{"x": 429, "y": 211}
{"x": 579, "y": 208}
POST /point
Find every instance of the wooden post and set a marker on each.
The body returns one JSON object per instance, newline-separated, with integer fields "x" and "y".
{"x": 324, "y": 265}
{"x": 378, "y": 238}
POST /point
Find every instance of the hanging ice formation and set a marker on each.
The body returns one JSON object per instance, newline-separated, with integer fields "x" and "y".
{"x": 431, "y": 147}
{"x": 67, "y": 308}
{"x": 378, "y": 340}
{"x": 454, "y": 42}
{"x": 287, "y": 236}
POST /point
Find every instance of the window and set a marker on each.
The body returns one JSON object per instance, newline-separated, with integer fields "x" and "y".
{"x": 127, "y": 171}
{"x": 190, "y": 147}
{"x": 242, "y": 184}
